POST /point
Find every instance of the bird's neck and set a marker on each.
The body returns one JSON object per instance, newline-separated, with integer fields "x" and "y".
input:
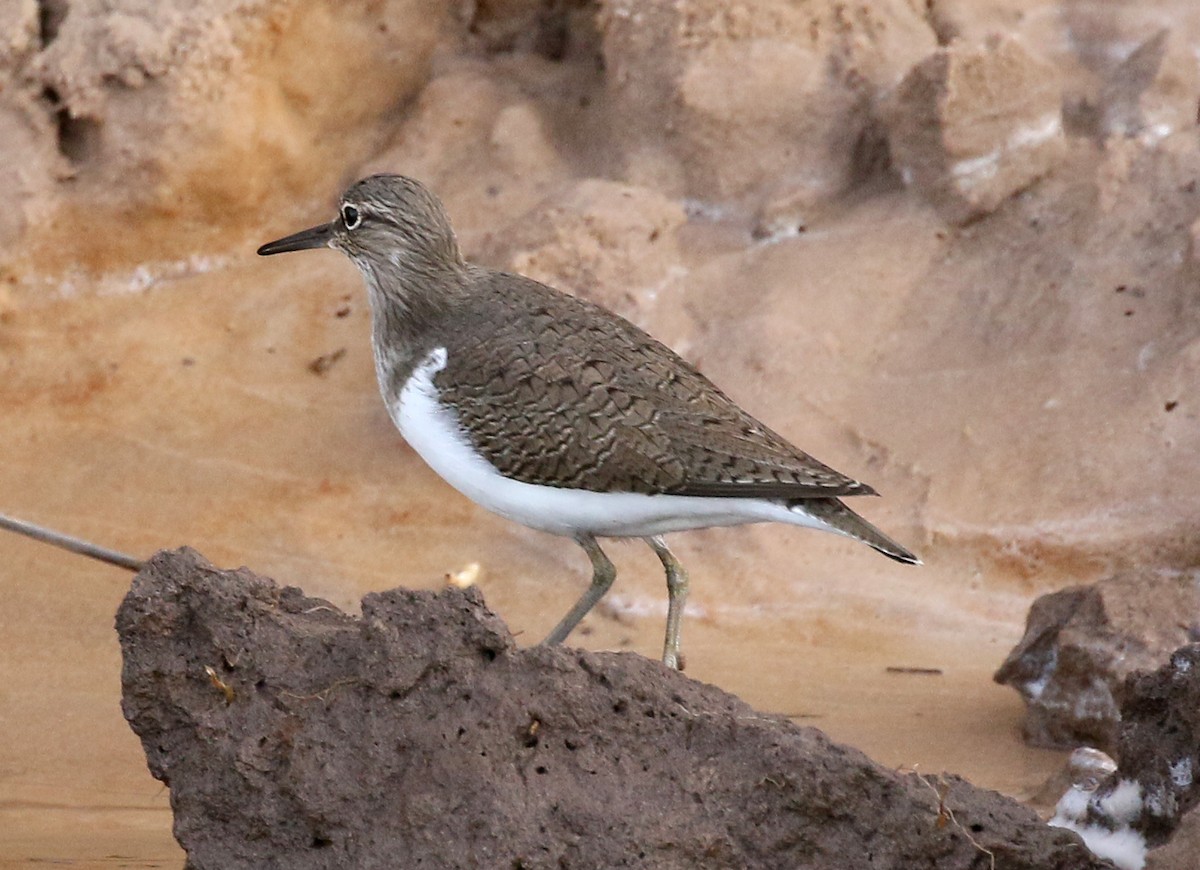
{"x": 410, "y": 298}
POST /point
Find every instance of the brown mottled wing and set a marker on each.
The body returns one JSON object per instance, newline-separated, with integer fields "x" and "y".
{"x": 556, "y": 391}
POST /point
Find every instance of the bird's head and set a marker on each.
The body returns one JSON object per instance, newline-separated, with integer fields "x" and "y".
{"x": 386, "y": 224}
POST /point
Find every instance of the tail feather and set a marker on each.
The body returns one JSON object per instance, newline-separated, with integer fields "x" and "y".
{"x": 839, "y": 518}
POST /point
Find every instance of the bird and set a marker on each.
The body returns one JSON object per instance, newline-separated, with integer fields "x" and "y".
{"x": 556, "y": 413}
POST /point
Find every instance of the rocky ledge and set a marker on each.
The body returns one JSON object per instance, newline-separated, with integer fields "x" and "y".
{"x": 294, "y": 735}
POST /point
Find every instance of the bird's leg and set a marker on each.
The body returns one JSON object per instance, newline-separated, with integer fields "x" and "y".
{"x": 603, "y": 575}
{"x": 677, "y": 591}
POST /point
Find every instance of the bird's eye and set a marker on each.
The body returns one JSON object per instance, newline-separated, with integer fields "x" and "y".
{"x": 351, "y": 217}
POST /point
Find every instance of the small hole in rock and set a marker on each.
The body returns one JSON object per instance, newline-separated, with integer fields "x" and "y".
{"x": 539, "y": 770}
{"x": 78, "y": 138}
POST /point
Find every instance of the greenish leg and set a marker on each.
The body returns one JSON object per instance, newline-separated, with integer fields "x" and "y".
{"x": 603, "y": 575}
{"x": 677, "y": 592}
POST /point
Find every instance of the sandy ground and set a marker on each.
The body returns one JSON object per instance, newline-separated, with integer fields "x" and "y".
{"x": 1020, "y": 387}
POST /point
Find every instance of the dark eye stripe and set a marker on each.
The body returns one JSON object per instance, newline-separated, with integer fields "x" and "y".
{"x": 351, "y": 217}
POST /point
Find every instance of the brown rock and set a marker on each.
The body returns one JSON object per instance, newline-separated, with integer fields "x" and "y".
{"x": 604, "y": 240}
{"x": 1121, "y": 96}
{"x": 1140, "y": 65}
{"x": 292, "y": 734}
{"x": 29, "y": 162}
{"x": 29, "y": 159}
{"x": 540, "y": 26}
{"x": 213, "y": 97}
{"x": 1155, "y": 785}
{"x": 20, "y": 40}
{"x": 484, "y": 145}
{"x": 757, "y": 99}
{"x": 1159, "y": 745}
{"x": 1082, "y": 643}
{"x": 971, "y": 126}
{"x": 1180, "y": 853}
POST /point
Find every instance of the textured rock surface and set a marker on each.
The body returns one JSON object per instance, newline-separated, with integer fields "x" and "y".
{"x": 145, "y": 99}
{"x": 971, "y": 125}
{"x": 30, "y": 162}
{"x": 1180, "y": 853}
{"x": 1082, "y": 643}
{"x": 1159, "y": 745}
{"x": 1094, "y": 49}
{"x": 757, "y": 100}
{"x": 294, "y": 735}
{"x": 569, "y": 241}
{"x": 541, "y": 27}
{"x": 1155, "y": 789}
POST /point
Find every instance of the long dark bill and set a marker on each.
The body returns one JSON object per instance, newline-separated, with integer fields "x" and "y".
{"x": 313, "y": 237}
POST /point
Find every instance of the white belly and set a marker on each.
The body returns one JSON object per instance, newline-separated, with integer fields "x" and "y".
{"x": 432, "y": 429}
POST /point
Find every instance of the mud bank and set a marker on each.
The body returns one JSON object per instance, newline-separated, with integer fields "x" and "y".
{"x": 294, "y": 735}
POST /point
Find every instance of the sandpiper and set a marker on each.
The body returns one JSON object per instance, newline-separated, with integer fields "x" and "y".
{"x": 557, "y": 413}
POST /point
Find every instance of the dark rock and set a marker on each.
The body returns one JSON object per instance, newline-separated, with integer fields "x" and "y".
{"x": 418, "y": 735}
{"x": 1155, "y": 784}
{"x": 1180, "y": 853}
{"x": 1081, "y": 643}
{"x": 1159, "y": 745}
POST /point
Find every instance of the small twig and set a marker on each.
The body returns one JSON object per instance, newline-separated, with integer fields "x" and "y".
{"x": 317, "y": 607}
{"x": 902, "y": 669}
{"x": 945, "y": 815}
{"x": 73, "y": 545}
{"x": 323, "y": 693}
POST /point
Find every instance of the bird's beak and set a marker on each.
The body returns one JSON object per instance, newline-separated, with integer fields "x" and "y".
{"x": 313, "y": 237}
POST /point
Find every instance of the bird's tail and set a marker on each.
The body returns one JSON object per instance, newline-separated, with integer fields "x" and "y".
{"x": 838, "y": 518}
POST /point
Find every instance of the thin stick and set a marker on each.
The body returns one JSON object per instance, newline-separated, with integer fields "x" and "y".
{"x": 74, "y": 545}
